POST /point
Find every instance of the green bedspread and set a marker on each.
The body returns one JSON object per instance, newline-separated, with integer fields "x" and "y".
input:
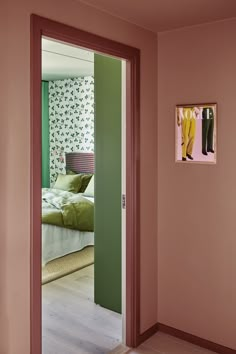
{"x": 67, "y": 210}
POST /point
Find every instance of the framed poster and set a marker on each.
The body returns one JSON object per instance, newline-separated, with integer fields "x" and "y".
{"x": 196, "y": 133}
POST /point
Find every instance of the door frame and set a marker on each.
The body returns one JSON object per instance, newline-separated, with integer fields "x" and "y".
{"x": 41, "y": 26}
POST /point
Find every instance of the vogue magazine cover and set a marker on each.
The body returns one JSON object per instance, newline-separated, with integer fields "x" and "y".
{"x": 196, "y": 133}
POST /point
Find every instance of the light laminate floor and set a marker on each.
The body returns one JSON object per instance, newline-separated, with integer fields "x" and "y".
{"x": 72, "y": 323}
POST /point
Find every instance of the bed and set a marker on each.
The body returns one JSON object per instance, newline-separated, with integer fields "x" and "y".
{"x": 67, "y": 218}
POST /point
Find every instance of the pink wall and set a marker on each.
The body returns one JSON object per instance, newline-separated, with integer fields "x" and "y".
{"x": 3, "y": 206}
{"x": 15, "y": 192}
{"x": 196, "y": 203}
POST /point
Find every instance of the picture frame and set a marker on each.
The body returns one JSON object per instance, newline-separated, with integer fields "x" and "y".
{"x": 196, "y": 133}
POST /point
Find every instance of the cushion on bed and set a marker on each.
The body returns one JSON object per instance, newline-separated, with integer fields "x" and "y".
{"x": 89, "y": 191}
{"x": 85, "y": 181}
{"x": 69, "y": 183}
{"x": 69, "y": 172}
{"x": 86, "y": 177}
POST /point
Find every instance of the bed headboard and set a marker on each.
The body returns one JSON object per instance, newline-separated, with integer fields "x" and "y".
{"x": 80, "y": 162}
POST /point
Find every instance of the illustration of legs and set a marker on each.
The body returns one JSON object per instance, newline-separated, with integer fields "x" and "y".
{"x": 210, "y": 136}
{"x": 192, "y": 133}
{"x": 205, "y": 130}
{"x": 185, "y": 136}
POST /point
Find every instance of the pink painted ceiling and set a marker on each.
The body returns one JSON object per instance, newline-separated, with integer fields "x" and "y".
{"x": 163, "y": 15}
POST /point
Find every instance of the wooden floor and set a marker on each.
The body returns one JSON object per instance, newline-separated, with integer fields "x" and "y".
{"x": 72, "y": 323}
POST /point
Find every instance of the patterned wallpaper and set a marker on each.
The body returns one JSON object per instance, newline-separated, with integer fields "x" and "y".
{"x": 71, "y": 120}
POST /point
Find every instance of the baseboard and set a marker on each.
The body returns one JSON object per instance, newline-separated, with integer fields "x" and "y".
{"x": 148, "y": 333}
{"x": 204, "y": 343}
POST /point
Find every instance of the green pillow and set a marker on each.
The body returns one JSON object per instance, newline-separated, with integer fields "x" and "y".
{"x": 69, "y": 183}
{"x": 69, "y": 172}
{"x": 89, "y": 192}
{"x": 85, "y": 181}
{"x": 86, "y": 177}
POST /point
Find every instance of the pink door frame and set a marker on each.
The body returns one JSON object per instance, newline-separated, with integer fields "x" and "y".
{"x": 44, "y": 27}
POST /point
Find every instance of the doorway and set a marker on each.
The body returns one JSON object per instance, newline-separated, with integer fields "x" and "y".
{"x": 81, "y": 149}
{"x": 40, "y": 27}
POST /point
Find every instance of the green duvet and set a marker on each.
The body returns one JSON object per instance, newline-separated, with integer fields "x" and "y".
{"x": 66, "y": 209}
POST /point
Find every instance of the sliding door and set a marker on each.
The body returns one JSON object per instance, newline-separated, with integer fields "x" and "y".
{"x": 107, "y": 78}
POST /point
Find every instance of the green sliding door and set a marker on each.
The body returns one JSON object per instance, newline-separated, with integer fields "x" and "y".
{"x": 45, "y": 136}
{"x": 107, "y": 77}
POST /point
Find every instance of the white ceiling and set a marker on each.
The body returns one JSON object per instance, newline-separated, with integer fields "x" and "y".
{"x": 165, "y": 15}
{"x": 62, "y": 61}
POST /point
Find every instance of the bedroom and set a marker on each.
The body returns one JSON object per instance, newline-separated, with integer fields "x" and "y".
{"x": 70, "y": 284}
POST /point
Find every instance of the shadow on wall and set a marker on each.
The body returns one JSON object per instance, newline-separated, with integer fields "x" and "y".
{"x": 4, "y": 349}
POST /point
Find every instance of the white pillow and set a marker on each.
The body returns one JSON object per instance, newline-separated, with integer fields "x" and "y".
{"x": 89, "y": 191}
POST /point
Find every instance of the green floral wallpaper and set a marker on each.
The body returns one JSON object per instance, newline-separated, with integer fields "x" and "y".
{"x": 71, "y": 120}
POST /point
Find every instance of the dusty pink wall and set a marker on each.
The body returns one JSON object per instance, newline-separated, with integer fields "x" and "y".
{"x": 15, "y": 192}
{"x": 3, "y": 205}
{"x": 197, "y": 204}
